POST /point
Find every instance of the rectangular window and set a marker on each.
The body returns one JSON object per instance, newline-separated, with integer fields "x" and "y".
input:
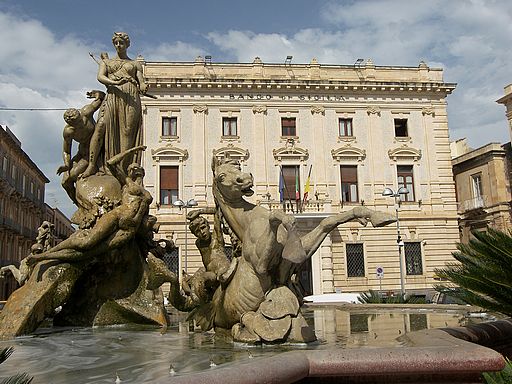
{"x": 476, "y": 181}
{"x": 168, "y": 185}
{"x": 406, "y": 179}
{"x": 401, "y": 128}
{"x": 229, "y": 126}
{"x": 355, "y": 259}
{"x": 345, "y": 127}
{"x": 4, "y": 165}
{"x": 413, "y": 264}
{"x": 169, "y": 126}
{"x": 288, "y": 127}
{"x": 13, "y": 173}
{"x": 349, "y": 183}
{"x": 23, "y": 184}
{"x": 290, "y": 183}
{"x": 172, "y": 260}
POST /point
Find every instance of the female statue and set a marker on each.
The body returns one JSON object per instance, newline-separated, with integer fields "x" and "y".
{"x": 120, "y": 116}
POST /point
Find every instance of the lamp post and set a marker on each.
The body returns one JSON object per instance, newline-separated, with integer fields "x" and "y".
{"x": 182, "y": 204}
{"x": 388, "y": 192}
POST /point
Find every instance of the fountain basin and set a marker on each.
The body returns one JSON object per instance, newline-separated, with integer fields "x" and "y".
{"x": 359, "y": 344}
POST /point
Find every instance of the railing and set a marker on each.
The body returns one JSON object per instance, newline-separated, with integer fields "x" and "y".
{"x": 292, "y": 206}
{"x": 474, "y": 203}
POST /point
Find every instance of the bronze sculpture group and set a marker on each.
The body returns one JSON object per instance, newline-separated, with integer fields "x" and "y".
{"x": 110, "y": 270}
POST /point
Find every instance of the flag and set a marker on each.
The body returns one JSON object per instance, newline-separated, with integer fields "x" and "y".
{"x": 281, "y": 185}
{"x": 307, "y": 186}
{"x": 297, "y": 192}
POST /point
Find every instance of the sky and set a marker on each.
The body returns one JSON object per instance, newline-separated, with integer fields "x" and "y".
{"x": 45, "y": 48}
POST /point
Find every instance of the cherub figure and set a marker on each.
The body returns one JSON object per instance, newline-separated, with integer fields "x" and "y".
{"x": 80, "y": 128}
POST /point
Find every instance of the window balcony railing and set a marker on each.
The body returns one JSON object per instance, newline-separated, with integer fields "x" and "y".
{"x": 474, "y": 203}
{"x": 294, "y": 207}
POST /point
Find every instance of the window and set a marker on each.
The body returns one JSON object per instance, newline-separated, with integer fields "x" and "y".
{"x": 401, "y": 128}
{"x": 349, "y": 184}
{"x": 289, "y": 183}
{"x": 4, "y": 165}
{"x": 228, "y": 250}
{"x": 288, "y": 127}
{"x": 13, "y": 173}
{"x": 168, "y": 185}
{"x": 169, "y": 126}
{"x": 406, "y": 179}
{"x": 172, "y": 260}
{"x": 345, "y": 127}
{"x": 23, "y": 184}
{"x": 413, "y": 264}
{"x": 355, "y": 259}
{"x": 476, "y": 181}
{"x": 229, "y": 126}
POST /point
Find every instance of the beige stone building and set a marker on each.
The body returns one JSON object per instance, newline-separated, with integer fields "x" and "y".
{"x": 482, "y": 179}
{"x": 353, "y": 129}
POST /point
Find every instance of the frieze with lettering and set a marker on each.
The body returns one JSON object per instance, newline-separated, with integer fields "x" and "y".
{"x": 261, "y": 96}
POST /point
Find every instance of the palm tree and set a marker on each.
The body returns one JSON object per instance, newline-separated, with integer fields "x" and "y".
{"x": 484, "y": 274}
{"x": 20, "y": 378}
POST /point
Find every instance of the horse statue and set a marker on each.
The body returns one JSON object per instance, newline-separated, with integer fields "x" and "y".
{"x": 258, "y": 303}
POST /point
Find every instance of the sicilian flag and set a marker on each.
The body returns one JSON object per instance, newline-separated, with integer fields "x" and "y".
{"x": 307, "y": 186}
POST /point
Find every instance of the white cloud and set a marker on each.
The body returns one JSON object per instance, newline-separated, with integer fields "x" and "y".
{"x": 178, "y": 51}
{"x": 469, "y": 39}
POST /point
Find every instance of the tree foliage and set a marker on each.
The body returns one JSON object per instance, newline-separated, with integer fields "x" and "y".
{"x": 20, "y": 378}
{"x": 484, "y": 272}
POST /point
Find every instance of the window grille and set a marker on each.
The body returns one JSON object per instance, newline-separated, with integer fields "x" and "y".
{"x": 172, "y": 260}
{"x": 417, "y": 321}
{"x": 228, "y": 250}
{"x": 355, "y": 259}
{"x": 413, "y": 263}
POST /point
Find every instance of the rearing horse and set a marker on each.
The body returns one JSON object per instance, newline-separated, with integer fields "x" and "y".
{"x": 271, "y": 247}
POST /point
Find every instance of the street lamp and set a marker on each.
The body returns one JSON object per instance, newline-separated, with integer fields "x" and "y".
{"x": 188, "y": 204}
{"x": 388, "y": 192}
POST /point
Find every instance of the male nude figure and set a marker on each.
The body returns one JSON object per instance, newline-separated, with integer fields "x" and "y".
{"x": 79, "y": 127}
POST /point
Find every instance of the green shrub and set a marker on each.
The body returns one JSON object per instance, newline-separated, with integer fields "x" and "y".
{"x": 374, "y": 297}
{"x": 501, "y": 377}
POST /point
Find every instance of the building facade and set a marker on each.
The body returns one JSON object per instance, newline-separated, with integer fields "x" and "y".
{"x": 339, "y": 134}
{"x": 22, "y": 207}
{"x": 482, "y": 179}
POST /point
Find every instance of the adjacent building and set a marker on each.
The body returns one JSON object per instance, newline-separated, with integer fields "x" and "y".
{"x": 482, "y": 179}
{"x": 319, "y": 140}
{"x": 22, "y": 207}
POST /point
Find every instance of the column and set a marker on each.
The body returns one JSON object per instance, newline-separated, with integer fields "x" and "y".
{"x": 317, "y": 125}
{"x": 327, "y": 274}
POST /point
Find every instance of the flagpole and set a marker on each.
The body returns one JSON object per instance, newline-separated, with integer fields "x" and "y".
{"x": 307, "y": 186}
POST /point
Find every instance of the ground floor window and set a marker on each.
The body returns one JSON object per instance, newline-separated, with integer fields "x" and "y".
{"x": 355, "y": 259}
{"x": 172, "y": 260}
{"x": 413, "y": 263}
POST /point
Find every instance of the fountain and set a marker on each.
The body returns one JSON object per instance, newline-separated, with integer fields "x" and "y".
{"x": 110, "y": 271}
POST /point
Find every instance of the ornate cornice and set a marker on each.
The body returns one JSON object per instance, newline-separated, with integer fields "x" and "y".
{"x": 232, "y": 152}
{"x": 404, "y": 152}
{"x": 169, "y": 153}
{"x": 348, "y": 152}
{"x": 290, "y": 152}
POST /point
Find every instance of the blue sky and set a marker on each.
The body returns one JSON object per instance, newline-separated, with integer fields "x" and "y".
{"x": 46, "y": 44}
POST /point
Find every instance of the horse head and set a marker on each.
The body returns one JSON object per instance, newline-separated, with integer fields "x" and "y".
{"x": 229, "y": 180}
